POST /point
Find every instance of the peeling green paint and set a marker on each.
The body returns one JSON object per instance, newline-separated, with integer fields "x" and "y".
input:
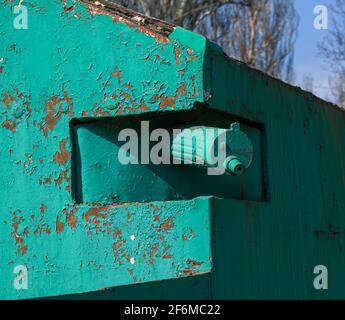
{"x": 70, "y": 64}
{"x": 76, "y": 65}
{"x": 88, "y": 248}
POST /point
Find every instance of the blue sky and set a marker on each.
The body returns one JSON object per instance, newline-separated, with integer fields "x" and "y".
{"x": 307, "y": 61}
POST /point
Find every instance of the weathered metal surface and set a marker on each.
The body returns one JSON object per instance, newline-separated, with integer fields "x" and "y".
{"x": 276, "y": 244}
{"x": 81, "y": 61}
{"x": 77, "y": 62}
{"x": 88, "y": 248}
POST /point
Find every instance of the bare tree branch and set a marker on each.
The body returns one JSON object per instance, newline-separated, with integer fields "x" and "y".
{"x": 261, "y": 33}
{"x": 333, "y": 50}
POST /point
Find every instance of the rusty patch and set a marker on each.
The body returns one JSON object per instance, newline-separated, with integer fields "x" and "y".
{"x": 126, "y": 96}
{"x": 10, "y": 125}
{"x": 167, "y": 225}
{"x": 170, "y": 101}
{"x": 131, "y": 272}
{"x": 63, "y": 156}
{"x": 182, "y": 90}
{"x": 43, "y": 208}
{"x": 42, "y": 227}
{"x": 99, "y": 112}
{"x": 188, "y": 271}
{"x": 71, "y": 219}
{"x": 153, "y": 251}
{"x": 117, "y": 245}
{"x": 54, "y": 111}
{"x": 178, "y": 54}
{"x": 45, "y": 181}
{"x": 157, "y": 29}
{"x": 190, "y": 51}
{"x": 117, "y": 74}
{"x": 128, "y": 86}
{"x": 7, "y": 99}
{"x": 26, "y": 232}
{"x": 194, "y": 263}
{"x": 143, "y": 106}
{"x": 154, "y": 98}
{"x": 52, "y": 115}
{"x": 94, "y": 215}
{"x": 167, "y": 102}
{"x": 117, "y": 233}
{"x": 59, "y": 226}
{"x": 19, "y": 239}
{"x": 63, "y": 176}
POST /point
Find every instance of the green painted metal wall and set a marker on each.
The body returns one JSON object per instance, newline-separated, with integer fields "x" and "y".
{"x": 77, "y": 61}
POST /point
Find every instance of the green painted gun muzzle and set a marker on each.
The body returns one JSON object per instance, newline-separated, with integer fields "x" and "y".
{"x": 207, "y": 146}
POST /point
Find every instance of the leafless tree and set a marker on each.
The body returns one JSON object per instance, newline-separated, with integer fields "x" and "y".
{"x": 185, "y": 13}
{"x": 308, "y": 82}
{"x": 260, "y": 33}
{"x": 333, "y": 50}
{"x": 337, "y": 87}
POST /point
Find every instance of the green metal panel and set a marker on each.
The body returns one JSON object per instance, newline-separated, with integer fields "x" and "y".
{"x": 272, "y": 226}
{"x": 71, "y": 65}
{"x": 276, "y": 244}
{"x": 100, "y": 247}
